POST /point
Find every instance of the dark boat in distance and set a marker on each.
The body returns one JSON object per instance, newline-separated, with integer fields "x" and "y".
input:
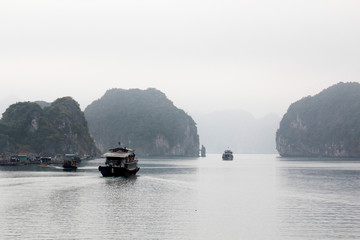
{"x": 120, "y": 161}
{"x": 44, "y": 161}
{"x": 71, "y": 161}
{"x": 228, "y": 155}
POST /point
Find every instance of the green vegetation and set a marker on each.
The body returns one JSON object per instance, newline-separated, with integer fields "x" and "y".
{"x": 56, "y": 129}
{"x": 142, "y": 119}
{"x": 327, "y": 124}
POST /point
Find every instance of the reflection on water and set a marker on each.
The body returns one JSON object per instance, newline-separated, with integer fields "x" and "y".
{"x": 252, "y": 197}
{"x": 320, "y": 199}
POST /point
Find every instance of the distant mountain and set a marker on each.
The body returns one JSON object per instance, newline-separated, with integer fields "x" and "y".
{"x": 325, "y": 125}
{"x": 238, "y": 130}
{"x": 57, "y": 129}
{"x": 144, "y": 120}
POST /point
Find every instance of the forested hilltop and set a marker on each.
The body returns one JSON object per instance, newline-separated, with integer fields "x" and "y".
{"x": 49, "y": 129}
{"x": 325, "y": 125}
{"x": 144, "y": 120}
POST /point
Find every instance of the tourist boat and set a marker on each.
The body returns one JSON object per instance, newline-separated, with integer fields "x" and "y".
{"x": 228, "y": 155}
{"x": 120, "y": 161}
{"x": 44, "y": 161}
{"x": 70, "y": 161}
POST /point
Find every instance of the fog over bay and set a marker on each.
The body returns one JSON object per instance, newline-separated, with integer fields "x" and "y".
{"x": 259, "y": 56}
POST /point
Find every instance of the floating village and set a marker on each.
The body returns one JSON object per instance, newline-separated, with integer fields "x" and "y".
{"x": 68, "y": 161}
{"x": 120, "y": 161}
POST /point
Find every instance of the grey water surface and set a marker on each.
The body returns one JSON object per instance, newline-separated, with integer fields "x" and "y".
{"x": 251, "y": 197}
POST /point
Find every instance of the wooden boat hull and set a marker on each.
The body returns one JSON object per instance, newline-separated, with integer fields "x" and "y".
{"x": 109, "y": 171}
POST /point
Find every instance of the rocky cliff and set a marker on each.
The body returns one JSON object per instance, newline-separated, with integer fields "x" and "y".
{"x": 144, "y": 120}
{"x": 324, "y": 125}
{"x": 59, "y": 128}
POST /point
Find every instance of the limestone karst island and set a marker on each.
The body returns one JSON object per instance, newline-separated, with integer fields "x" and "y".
{"x": 324, "y": 125}
{"x": 142, "y": 119}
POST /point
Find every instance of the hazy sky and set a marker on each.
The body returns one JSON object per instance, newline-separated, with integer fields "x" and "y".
{"x": 205, "y": 55}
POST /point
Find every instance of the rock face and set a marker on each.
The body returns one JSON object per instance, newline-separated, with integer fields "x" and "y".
{"x": 57, "y": 129}
{"x": 144, "y": 120}
{"x": 325, "y": 125}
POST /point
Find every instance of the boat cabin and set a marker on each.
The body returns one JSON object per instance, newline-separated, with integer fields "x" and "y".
{"x": 71, "y": 160}
{"x": 45, "y": 160}
{"x": 14, "y": 160}
{"x": 119, "y": 157}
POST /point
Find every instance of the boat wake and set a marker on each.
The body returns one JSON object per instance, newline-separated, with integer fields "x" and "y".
{"x": 177, "y": 183}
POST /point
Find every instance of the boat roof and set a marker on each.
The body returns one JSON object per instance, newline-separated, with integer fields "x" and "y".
{"x": 122, "y": 152}
{"x": 117, "y": 154}
{"x": 121, "y": 149}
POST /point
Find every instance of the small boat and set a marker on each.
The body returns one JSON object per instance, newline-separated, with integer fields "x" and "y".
{"x": 228, "y": 155}
{"x": 13, "y": 161}
{"x": 44, "y": 161}
{"x": 120, "y": 161}
{"x": 70, "y": 162}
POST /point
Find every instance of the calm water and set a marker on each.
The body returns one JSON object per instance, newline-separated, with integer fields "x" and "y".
{"x": 252, "y": 197}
